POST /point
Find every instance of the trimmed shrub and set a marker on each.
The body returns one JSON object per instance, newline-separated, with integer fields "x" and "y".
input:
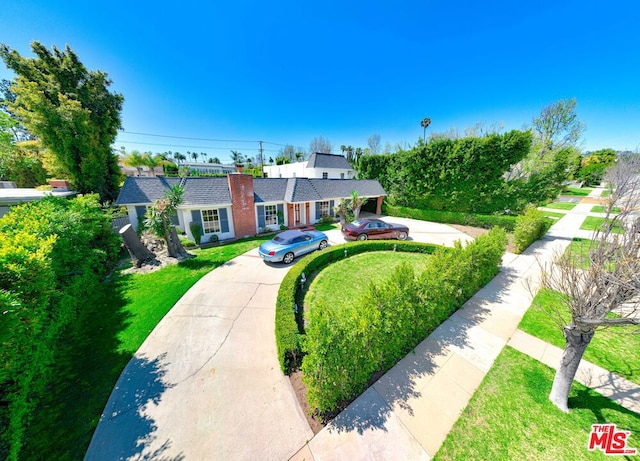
{"x": 345, "y": 345}
{"x": 530, "y": 226}
{"x": 289, "y": 318}
{"x": 196, "y": 231}
{"x": 505, "y": 221}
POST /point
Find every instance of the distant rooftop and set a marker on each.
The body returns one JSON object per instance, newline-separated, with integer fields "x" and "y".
{"x": 320, "y": 160}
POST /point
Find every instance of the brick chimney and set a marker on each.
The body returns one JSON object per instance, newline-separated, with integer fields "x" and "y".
{"x": 243, "y": 204}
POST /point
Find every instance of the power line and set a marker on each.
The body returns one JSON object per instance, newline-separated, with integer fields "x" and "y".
{"x": 207, "y": 139}
{"x": 185, "y": 137}
{"x": 192, "y": 147}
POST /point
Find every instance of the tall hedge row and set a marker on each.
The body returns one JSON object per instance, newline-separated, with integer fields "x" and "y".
{"x": 467, "y": 175}
{"x": 53, "y": 255}
{"x": 344, "y": 345}
{"x": 507, "y": 222}
{"x": 289, "y": 323}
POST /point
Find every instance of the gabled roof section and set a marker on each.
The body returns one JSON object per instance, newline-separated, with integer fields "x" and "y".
{"x": 206, "y": 191}
{"x": 339, "y": 188}
{"x": 269, "y": 189}
{"x": 319, "y": 160}
{"x": 301, "y": 190}
{"x": 144, "y": 190}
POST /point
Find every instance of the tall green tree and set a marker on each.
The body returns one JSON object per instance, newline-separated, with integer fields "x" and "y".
{"x": 71, "y": 111}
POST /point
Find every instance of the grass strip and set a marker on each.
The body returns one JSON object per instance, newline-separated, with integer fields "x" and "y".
{"x": 510, "y": 417}
{"x": 614, "y": 349}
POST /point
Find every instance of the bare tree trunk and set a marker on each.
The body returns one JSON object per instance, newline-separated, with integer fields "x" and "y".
{"x": 577, "y": 342}
{"x": 174, "y": 247}
{"x": 139, "y": 253}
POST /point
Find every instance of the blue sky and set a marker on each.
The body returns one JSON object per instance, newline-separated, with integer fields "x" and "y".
{"x": 286, "y": 72}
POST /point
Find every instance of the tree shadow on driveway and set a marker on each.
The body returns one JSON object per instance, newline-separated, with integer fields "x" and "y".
{"x": 125, "y": 431}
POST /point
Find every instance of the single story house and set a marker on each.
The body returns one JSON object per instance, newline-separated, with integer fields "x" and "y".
{"x": 241, "y": 205}
{"x": 321, "y": 166}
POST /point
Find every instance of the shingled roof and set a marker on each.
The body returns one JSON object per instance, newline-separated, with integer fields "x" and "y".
{"x": 215, "y": 191}
{"x": 319, "y": 160}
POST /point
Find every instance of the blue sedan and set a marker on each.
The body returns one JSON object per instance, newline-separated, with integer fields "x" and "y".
{"x": 292, "y": 243}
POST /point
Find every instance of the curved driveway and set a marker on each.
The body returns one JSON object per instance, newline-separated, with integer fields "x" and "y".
{"x": 206, "y": 384}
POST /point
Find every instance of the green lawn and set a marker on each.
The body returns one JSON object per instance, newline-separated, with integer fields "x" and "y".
{"x": 576, "y": 191}
{"x": 511, "y": 418}
{"x": 579, "y": 251}
{"x": 561, "y": 205}
{"x": 614, "y": 349}
{"x": 603, "y": 209}
{"x": 337, "y": 283}
{"x": 552, "y": 215}
{"x": 593, "y": 223}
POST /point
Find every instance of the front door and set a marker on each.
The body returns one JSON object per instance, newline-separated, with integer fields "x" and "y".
{"x": 296, "y": 214}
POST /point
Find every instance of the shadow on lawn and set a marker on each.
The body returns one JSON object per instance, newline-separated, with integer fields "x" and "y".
{"x": 400, "y": 385}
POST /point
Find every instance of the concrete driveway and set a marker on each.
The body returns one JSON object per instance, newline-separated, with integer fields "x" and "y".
{"x": 206, "y": 384}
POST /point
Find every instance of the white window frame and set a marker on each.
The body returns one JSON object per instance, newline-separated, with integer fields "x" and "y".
{"x": 325, "y": 175}
{"x": 270, "y": 215}
{"x": 210, "y": 221}
{"x": 324, "y": 209}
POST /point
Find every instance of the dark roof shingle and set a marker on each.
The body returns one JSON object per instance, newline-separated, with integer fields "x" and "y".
{"x": 318, "y": 160}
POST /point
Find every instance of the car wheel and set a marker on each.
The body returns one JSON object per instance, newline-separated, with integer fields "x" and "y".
{"x": 363, "y": 237}
{"x": 323, "y": 245}
{"x": 288, "y": 258}
{"x": 402, "y": 236}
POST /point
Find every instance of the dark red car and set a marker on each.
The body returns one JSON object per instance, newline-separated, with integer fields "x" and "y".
{"x": 364, "y": 229}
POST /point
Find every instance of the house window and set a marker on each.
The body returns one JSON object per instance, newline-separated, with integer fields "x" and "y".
{"x": 324, "y": 208}
{"x": 210, "y": 221}
{"x": 341, "y": 175}
{"x": 325, "y": 175}
{"x": 271, "y": 215}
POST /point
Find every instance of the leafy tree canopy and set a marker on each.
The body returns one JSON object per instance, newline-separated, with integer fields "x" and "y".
{"x": 71, "y": 111}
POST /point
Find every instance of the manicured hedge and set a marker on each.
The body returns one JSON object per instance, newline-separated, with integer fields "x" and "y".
{"x": 507, "y": 222}
{"x": 54, "y": 255}
{"x": 530, "y": 226}
{"x": 345, "y": 345}
{"x": 289, "y": 325}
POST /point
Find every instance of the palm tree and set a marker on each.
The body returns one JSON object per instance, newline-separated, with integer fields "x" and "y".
{"x": 425, "y": 124}
{"x": 214, "y": 160}
{"x": 237, "y": 158}
{"x": 356, "y": 203}
{"x": 135, "y": 160}
{"x": 194, "y": 156}
{"x": 343, "y": 148}
{"x": 358, "y": 154}
{"x": 203, "y": 156}
{"x": 152, "y": 161}
{"x": 180, "y": 157}
{"x": 350, "y": 151}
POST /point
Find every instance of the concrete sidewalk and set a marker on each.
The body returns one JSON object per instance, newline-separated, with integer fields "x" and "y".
{"x": 408, "y": 412}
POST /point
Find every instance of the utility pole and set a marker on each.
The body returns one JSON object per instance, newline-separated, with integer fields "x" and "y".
{"x": 261, "y": 160}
